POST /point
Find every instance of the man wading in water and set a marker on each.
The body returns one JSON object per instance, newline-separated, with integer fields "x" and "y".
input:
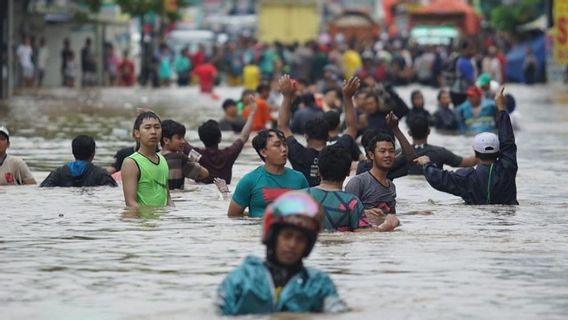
{"x": 145, "y": 172}
{"x": 492, "y": 181}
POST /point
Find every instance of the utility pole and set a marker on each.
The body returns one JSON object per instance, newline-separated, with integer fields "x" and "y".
{"x": 10, "y": 48}
{"x": 3, "y": 52}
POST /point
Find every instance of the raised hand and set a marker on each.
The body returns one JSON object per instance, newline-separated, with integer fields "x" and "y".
{"x": 251, "y": 101}
{"x": 500, "y": 101}
{"x": 392, "y": 120}
{"x": 221, "y": 185}
{"x": 350, "y": 87}
{"x": 286, "y": 85}
{"x": 375, "y": 216}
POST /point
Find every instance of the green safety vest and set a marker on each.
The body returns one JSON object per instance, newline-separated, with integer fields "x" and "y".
{"x": 152, "y": 181}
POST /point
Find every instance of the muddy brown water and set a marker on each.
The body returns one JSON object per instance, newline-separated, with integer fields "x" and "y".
{"x": 73, "y": 254}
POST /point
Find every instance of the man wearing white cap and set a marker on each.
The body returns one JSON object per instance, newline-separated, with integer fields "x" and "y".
{"x": 492, "y": 181}
{"x": 13, "y": 170}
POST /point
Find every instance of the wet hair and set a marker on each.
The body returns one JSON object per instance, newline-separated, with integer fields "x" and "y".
{"x": 419, "y": 127}
{"x": 368, "y": 135}
{"x": 317, "y": 129}
{"x": 209, "y": 133}
{"x": 440, "y": 93}
{"x": 228, "y": 103}
{"x": 83, "y": 147}
{"x": 334, "y": 163}
{"x": 262, "y": 87}
{"x": 332, "y": 119}
{"x": 487, "y": 156}
{"x": 145, "y": 115}
{"x": 372, "y": 145}
{"x": 308, "y": 99}
{"x": 171, "y": 128}
{"x": 260, "y": 140}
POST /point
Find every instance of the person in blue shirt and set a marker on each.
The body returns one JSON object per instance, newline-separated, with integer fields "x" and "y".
{"x": 492, "y": 181}
{"x": 280, "y": 282}
{"x": 259, "y": 188}
{"x": 463, "y": 73}
{"x": 477, "y": 114}
{"x": 81, "y": 172}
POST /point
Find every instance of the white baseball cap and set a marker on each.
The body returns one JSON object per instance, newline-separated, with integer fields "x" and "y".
{"x": 486, "y": 142}
{"x": 5, "y": 131}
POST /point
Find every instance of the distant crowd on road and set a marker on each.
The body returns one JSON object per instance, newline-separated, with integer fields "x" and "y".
{"x": 247, "y": 62}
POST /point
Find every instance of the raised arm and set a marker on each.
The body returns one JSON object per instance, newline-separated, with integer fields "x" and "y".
{"x": 349, "y": 89}
{"x": 407, "y": 150}
{"x": 245, "y": 133}
{"x": 505, "y": 132}
{"x": 287, "y": 88}
{"x": 442, "y": 180}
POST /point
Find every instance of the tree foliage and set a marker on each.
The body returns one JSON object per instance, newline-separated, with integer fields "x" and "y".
{"x": 137, "y": 8}
{"x": 508, "y": 17}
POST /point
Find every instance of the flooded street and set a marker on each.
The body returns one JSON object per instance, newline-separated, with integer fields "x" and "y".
{"x": 75, "y": 254}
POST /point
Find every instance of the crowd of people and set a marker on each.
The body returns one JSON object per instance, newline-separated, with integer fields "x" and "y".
{"x": 347, "y": 124}
{"x": 248, "y": 62}
{"x": 33, "y": 57}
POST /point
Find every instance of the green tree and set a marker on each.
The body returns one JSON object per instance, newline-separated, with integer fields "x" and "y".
{"x": 138, "y": 8}
{"x": 508, "y": 17}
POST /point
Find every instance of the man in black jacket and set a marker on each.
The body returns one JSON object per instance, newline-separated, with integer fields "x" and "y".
{"x": 492, "y": 181}
{"x": 81, "y": 172}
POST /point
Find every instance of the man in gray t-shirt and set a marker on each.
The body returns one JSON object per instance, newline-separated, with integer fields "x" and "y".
{"x": 374, "y": 188}
{"x": 373, "y": 193}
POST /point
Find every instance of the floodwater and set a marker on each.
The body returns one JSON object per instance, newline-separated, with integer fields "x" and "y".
{"x": 74, "y": 254}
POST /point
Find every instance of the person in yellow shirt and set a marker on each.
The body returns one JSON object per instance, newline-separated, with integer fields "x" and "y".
{"x": 351, "y": 63}
{"x": 251, "y": 76}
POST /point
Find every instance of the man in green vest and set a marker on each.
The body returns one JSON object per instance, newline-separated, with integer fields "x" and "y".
{"x": 145, "y": 172}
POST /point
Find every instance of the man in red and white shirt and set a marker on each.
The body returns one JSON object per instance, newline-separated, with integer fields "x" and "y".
{"x": 13, "y": 170}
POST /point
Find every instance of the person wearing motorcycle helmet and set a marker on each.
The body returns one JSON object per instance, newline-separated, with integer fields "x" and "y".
{"x": 281, "y": 283}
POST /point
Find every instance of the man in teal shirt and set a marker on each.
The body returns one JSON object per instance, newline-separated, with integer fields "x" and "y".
{"x": 476, "y": 114}
{"x": 259, "y": 188}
